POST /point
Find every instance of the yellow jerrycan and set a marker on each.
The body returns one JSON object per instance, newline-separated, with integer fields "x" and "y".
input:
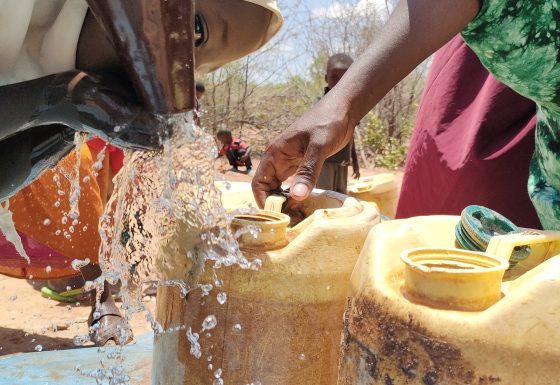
{"x": 381, "y": 189}
{"x": 282, "y": 324}
{"x": 423, "y": 312}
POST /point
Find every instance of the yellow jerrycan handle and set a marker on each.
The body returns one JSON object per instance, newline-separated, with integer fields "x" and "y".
{"x": 503, "y": 246}
{"x": 274, "y": 203}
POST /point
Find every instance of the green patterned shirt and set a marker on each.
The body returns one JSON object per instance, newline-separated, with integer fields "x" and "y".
{"x": 519, "y": 42}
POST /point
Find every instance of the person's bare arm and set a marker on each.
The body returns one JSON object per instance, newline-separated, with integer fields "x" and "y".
{"x": 416, "y": 29}
{"x": 82, "y": 102}
{"x": 355, "y": 163}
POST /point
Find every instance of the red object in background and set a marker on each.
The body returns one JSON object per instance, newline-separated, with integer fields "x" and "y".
{"x": 116, "y": 155}
{"x": 236, "y": 144}
{"x": 472, "y": 143}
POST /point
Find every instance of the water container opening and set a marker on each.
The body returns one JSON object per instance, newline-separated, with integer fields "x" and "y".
{"x": 453, "y": 279}
{"x": 265, "y": 230}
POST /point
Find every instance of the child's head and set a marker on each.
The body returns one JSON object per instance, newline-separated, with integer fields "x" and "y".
{"x": 336, "y": 67}
{"x": 224, "y": 136}
{"x": 200, "y": 90}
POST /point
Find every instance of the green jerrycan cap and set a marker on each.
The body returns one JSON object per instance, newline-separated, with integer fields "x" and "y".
{"x": 479, "y": 224}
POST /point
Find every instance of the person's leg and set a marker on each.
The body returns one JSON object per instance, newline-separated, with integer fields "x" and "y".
{"x": 231, "y": 155}
{"x": 341, "y": 179}
{"x": 249, "y": 163}
{"x": 105, "y": 321}
{"x": 326, "y": 177}
{"x": 241, "y": 153}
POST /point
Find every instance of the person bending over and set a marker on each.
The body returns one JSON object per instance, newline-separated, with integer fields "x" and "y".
{"x": 237, "y": 152}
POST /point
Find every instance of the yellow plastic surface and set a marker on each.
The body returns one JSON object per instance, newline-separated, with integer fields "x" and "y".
{"x": 452, "y": 279}
{"x": 282, "y": 324}
{"x": 389, "y": 339}
{"x": 381, "y": 189}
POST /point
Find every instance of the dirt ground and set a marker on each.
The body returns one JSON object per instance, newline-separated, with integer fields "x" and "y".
{"x": 28, "y": 320}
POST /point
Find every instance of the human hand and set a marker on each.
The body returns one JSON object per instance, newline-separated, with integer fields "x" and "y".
{"x": 107, "y": 109}
{"x": 302, "y": 150}
{"x": 355, "y": 172}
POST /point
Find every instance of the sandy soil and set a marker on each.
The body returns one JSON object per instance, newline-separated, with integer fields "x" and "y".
{"x": 28, "y": 320}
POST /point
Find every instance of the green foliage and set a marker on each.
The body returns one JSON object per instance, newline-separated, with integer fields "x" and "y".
{"x": 387, "y": 151}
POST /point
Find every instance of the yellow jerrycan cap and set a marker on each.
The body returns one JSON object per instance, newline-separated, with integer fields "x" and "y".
{"x": 466, "y": 280}
{"x": 453, "y": 279}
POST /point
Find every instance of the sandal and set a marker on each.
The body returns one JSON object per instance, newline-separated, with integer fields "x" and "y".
{"x": 108, "y": 325}
{"x": 69, "y": 296}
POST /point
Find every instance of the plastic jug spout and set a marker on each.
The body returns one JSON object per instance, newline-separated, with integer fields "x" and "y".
{"x": 263, "y": 231}
{"x": 155, "y": 41}
{"x": 453, "y": 279}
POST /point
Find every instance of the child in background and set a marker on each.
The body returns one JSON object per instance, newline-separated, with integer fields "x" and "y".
{"x": 200, "y": 90}
{"x": 237, "y": 152}
{"x": 334, "y": 174}
{"x": 37, "y": 72}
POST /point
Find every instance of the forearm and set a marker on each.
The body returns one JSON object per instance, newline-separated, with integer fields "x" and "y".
{"x": 416, "y": 29}
{"x": 30, "y": 103}
{"x": 355, "y": 163}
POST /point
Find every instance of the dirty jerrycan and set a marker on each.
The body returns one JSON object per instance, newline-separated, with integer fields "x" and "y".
{"x": 281, "y": 324}
{"x": 424, "y": 312}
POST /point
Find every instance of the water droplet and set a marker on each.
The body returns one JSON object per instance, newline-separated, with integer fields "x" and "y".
{"x": 236, "y": 328}
{"x": 218, "y": 373}
{"x": 81, "y": 340}
{"x": 195, "y": 345}
{"x": 209, "y": 322}
{"x": 222, "y": 298}
{"x": 206, "y": 289}
{"x": 77, "y": 264}
{"x": 38, "y": 348}
{"x": 58, "y": 232}
{"x": 86, "y": 179}
{"x": 46, "y": 222}
{"x": 48, "y": 269}
{"x": 301, "y": 356}
{"x": 64, "y": 220}
{"x": 57, "y": 204}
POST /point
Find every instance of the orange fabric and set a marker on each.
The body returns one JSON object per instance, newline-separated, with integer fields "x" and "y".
{"x": 37, "y": 203}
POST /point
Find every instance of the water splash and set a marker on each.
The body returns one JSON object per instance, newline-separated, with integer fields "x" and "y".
{"x": 195, "y": 345}
{"x": 164, "y": 223}
{"x": 165, "y": 219}
{"x": 8, "y": 228}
